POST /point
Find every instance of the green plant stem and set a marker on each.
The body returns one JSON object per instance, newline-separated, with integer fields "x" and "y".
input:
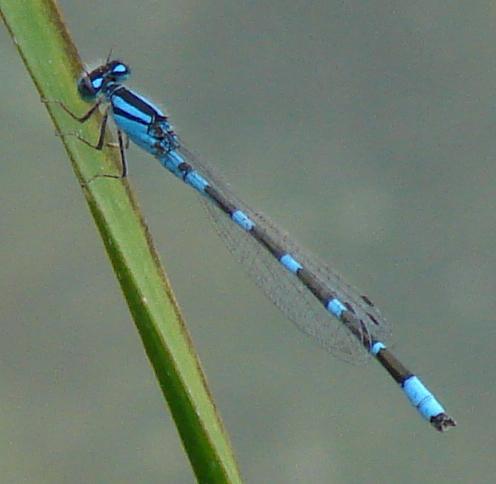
{"x": 45, "y": 46}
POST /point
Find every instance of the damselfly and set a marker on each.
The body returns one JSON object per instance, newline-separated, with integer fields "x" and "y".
{"x": 310, "y": 293}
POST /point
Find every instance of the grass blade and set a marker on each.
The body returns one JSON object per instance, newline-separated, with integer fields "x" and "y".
{"x": 45, "y": 46}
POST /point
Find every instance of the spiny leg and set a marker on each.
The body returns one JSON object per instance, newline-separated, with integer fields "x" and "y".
{"x": 81, "y": 118}
{"x": 101, "y": 138}
{"x": 122, "y": 145}
{"x": 122, "y": 151}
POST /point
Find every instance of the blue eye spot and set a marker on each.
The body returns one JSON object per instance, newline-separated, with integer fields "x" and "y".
{"x": 120, "y": 69}
{"x": 97, "y": 83}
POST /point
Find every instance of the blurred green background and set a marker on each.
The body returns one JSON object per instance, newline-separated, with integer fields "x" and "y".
{"x": 367, "y": 130}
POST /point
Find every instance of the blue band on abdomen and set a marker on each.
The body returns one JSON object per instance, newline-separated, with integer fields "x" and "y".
{"x": 376, "y": 347}
{"x": 194, "y": 179}
{"x": 421, "y": 398}
{"x": 242, "y": 220}
{"x": 173, "y": 158}
{"x": 336, "y": 307}
{"x": 290, "y": 263}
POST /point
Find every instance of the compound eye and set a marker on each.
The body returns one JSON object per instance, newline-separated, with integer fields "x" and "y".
{"x": 119, "y": 70}
{"x": 89, "y": 88}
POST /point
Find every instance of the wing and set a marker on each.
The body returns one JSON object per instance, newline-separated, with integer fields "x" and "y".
{"x": 283, "y": 288}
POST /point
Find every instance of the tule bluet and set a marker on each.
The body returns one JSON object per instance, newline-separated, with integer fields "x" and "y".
{"x": 308, "y": 291}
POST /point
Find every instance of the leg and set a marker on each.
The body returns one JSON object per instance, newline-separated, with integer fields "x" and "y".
{"x": 122, "y": 151}
{"x": 101, "y": 139}
{"x": 82, "y": 118}
{"x": 122, "y": 148}
{"x": 123, "y": 145}
{"x": 125, "y": 138}
{"x": 85, "y": 117}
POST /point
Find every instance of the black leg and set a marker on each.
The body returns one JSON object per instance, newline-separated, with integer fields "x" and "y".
{"x": 85, "y": 117}
{"x": 101, "y": 139}
{"x": 122, "y": 151}
{"x": 122, "y": 148}
{"x": 123, "y": 145}
{"x": 82, "y": 118}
